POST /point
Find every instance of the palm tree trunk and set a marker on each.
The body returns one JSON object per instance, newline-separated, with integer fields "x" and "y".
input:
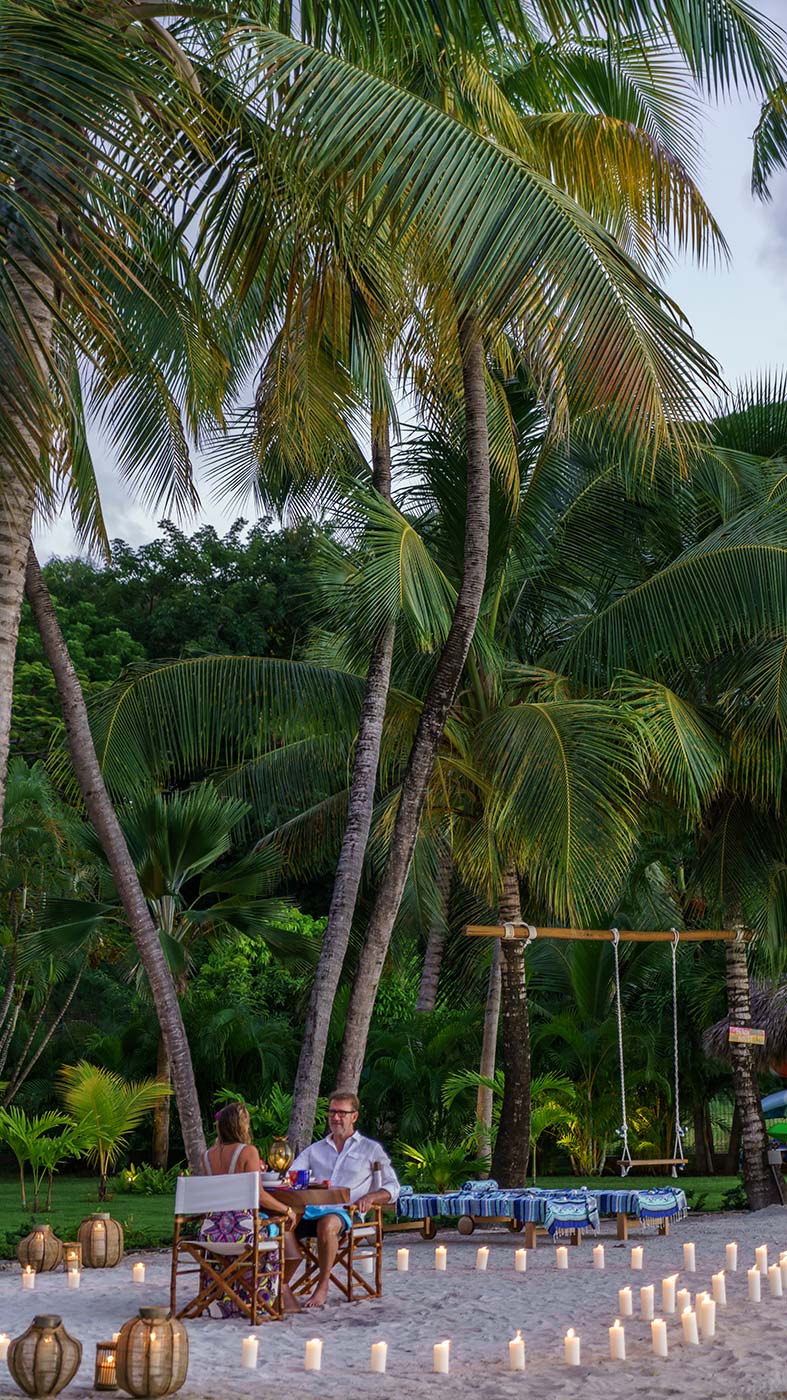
{"x": 159, "y": 1151}
{"x": 761, "y": 1188}
{"x": 485, "y": 1097}
{"x": 438, "y": 930}
{"x": 512, "y": 1147}
{"x": 101, "y": 814}
{"x": 360, "y": 805}
{"x": 434, "y": 713}
{"x": 24, "y": 1069}
{"x": 703, "y": 1146}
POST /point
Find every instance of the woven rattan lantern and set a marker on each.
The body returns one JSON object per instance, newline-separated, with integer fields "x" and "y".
{"x": 280, "y": 1154}
{"x": 152, "y": 1353}
{"x": 101, "y": 1239}
{"x": 44, "y": 1359}
{"x": 106, "y": 1376}
{"x": 40, "y": 1249}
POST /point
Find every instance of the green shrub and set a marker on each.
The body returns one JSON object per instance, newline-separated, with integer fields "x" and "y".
{"x": 147, "y": 1180}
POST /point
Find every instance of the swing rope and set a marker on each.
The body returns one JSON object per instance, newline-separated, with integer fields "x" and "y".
{"x": 677, "y": 1150}
{"x": 625, "y": 1159}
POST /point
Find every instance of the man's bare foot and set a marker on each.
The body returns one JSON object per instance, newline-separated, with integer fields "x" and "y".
{"x": 318, "y": 1297}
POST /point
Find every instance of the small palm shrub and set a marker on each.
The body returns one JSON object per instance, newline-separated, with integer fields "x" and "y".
{"x": 106, "y": 1109}
{"x": 30, "y": 1141}
{"x": 147, "y": 1180}
{"x": 440, "y": 1166}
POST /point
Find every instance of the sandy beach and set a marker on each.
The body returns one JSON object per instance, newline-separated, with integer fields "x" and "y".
{"x": 479, "y": 1312}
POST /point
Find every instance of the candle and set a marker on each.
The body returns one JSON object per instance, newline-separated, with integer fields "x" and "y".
{"x": 440, "y": 1257}
{"x": 658, "y": 1336}
{"x": 403, "y": 1260}
{"x": 775, "y": 1280}
{"x": 617, "y": 1341}
{"x": 761, "y": 1258}
{"x": 379, "y": 1357}
{"x": 520, "y": 1261}
{"x": 482, "y": 1257}
{"x": 249, "y": 1351}
{"x": 116, "y": 1336}
{"x": 707, "y": 1316}
{"x": 731, "y": 1257}
{"x": 688, "y": 1322}
{"x": 4, "y": 1344}
{"x": 314, "y": 1354}
{"x": 441, "y": 1352}
{"x": 105, "y": 1374}
{"x": 689, "y": 1258}
{"x": 637, "y": 1253}
{"x": 683, "y": 1299}
{"x": 647, "y": 1302}
{"x": 625, "y": 1302}
{"x": 28, "y": 1277}
{"x": 668, "y": 1293}
{"x": 571, "y": 1348}
{"x": 783, "y": 1267}
{"x": 598, "y": 1256}
{"x": 138, "y": 1272}
{"x": 753, "y": 1275}
{"x": 73, "y": 1278}
{"x": 561, "y": 1256}
{"x": 719, "y": 1284}
{"x": 516, "y": 1353}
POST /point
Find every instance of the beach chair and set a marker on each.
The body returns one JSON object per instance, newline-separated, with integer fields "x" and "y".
{"x": 358, "y": 1269}
{"x": 225, "y": 1271}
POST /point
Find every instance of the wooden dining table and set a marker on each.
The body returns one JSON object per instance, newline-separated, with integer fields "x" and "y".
{"x": 298, "y": 1199}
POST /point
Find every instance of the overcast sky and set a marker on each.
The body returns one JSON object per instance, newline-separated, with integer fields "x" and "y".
{"x": 738, "y": 312}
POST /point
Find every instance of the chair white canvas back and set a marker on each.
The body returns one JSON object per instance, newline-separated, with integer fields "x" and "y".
{"x": 233, "y": 1191}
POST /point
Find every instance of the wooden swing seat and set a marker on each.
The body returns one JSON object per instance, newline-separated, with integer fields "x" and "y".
{"x": 655, "y": 1162}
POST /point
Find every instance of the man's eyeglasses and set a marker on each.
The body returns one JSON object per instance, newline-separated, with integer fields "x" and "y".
{"x": 340, "y": 1112}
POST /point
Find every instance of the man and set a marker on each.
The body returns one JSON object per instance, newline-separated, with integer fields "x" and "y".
{"x": 343, "y": 1159}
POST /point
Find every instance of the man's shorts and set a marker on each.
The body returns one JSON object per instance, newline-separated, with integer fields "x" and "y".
{"x": 307, "y": 1229}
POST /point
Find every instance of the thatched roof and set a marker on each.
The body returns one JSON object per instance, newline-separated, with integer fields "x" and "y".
{"x": 769, "y": 1013}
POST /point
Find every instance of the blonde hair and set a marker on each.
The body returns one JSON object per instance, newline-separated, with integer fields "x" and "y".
{"x": 233, "y": 1123}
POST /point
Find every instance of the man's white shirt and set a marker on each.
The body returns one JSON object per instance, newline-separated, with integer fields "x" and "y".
{"x": 351, "y": 1168}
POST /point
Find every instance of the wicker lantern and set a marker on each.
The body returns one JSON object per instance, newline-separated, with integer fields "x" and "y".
{"x": 101, "y": 1239}
{"x": 106, "y": 1376}
{"x": 280, "y": 1154}
{"x": 44, "y": 1359}
{"x": 152, "y": 1353}
{"x": 72, "y": 1255}
{"x": 40, "y": 1249}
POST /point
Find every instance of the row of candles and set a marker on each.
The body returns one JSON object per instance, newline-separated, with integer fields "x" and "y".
{"x": 599, "y": 1258}
{"x": 74, "y": 1277}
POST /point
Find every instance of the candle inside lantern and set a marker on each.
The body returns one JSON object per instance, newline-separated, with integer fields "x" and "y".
{"x": 138, "y": 1272}
{"x": 402, "y": 1260}
{"x": 571, "y": 1348}
{"x": 5, "y": 1341}
{"x": 73, "y": 1278}
{"x": 683, "y": 1300}
{"x": 440, "y": 1257}
{"x": 482, "y": 1256}
{"x": 314, "y": 1354}
{"x": 637, "y": 1256}
{"x": 625, "y": 1302}
{"x": 105, "y": 1376}
{"x": 783, "y": 1267}
{"x": 689, "y": 1258}
{"x": 516, "y": 1353}
{"x": 379, "y": 1357}
{"x": 598, "y": 1256}
{"x": 28, "y": 1277}
{"x": 116, "y": 1336}
{"x": 441, "y": 1357}
{"x": 520, "y": 1261}
{"x": 731, "y": 1257}
{"x": 668, "y": 1286}
{"x": 707, "y": 1318}
{"x": 761, "y": 1258}
{"x": 617, "y": 1341}
{"x": 719, "y": 1285}
{"x": 754, "y": 1278}
{"x": 561, "y": 1256}
{"x": 775, "y": 1280}
{"x": 647, "y": 1302}
{"x": 249, "y": 1350}
{"x": 688, "y": 1322}
{"x": 658, "y": 1336}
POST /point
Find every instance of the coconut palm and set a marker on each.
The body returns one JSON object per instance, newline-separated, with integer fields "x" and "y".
{"x": 106, "y": 1108}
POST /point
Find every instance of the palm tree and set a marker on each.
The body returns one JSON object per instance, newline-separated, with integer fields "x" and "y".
{"x": 106, "y": 1109}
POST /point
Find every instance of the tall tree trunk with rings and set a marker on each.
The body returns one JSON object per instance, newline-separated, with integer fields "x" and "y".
{"x": 485, "y": 1097}
{"x": 758, "y": 1179}
{"x": 159, "y": 1151}
{"x": 512, "y": 1146}
{"x": 438, "y": 931}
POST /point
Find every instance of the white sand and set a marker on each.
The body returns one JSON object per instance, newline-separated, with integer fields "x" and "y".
{"x": 478, "y": 1311}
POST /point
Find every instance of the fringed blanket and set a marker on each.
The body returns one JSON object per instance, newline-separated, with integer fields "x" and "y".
{"x": 656, "y": 1204}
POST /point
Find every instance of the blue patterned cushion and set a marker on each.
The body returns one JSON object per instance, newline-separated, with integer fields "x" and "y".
{"x": 488, "y": 1184}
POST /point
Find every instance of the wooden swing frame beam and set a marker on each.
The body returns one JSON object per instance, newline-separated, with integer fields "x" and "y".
{"x": 604, "y": 935}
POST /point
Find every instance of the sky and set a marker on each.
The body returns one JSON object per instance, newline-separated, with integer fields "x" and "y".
{"x": 737, "y": 311}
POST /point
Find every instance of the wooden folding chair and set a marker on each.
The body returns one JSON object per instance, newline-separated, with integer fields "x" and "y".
{"x": 225, "y": 1271}
{"x": 358, "y": 1268}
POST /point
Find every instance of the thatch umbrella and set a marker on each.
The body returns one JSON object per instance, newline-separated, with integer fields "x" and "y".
{"x": 768, "y": 1013}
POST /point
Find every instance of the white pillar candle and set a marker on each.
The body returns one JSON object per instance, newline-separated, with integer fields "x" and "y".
{"x": 761, "y": 1258}
{"x": 402, "y": 1260}
{"x": 783, "y": 1267}
{"x": 683, "y": 1300}
{"x": 707, "y": 1317}
{"x": 138, "y": 1272}
{"x": 689, "y": 1258}
{"x": 688, "y": 1322}
{"x": 4, "y": 1344}
{"x": 625, "y": 1302}
{"x": 598, "y": 1257}
{"x": 73, "y": 1278}
{"x": 516, "y": 1353}
{"x": 440, "y": 1257}
{"x": 754, "y": 1276}
{"x": 637, "y": 1255}
{"x": 668, "y": 1286}
{"x": 379, "y": 1357}
{"x": 441, "y": 1351}
{"x": 647, "y": 1302}
{"x": 775, "y": 1280}
{"x": 561, "y": 1256}
{"x": 520, "y": 1261}
{"x": 719, "y": 1284}
{"x": 28, "y": 1277}
{"x": 617, "y": 1341}
{"x": 658, "y": 1336}
{"x": 482, "y": 1256}
{"x": 249, "y": 1350}
{"x": 731, "y": 1257}
{"x": 571, "y": 1347}
{"x": 314, "y": 1354}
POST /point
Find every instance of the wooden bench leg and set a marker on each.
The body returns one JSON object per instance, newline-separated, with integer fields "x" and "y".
{"x": 664, "y": 1227}
{"x": 622, "y": 1225}
{"x": 576, "y": 1237}
{"x": 530, "y": 1234}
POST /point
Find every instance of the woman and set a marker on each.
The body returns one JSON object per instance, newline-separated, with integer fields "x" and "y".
{"x": 233, "y": 1152}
